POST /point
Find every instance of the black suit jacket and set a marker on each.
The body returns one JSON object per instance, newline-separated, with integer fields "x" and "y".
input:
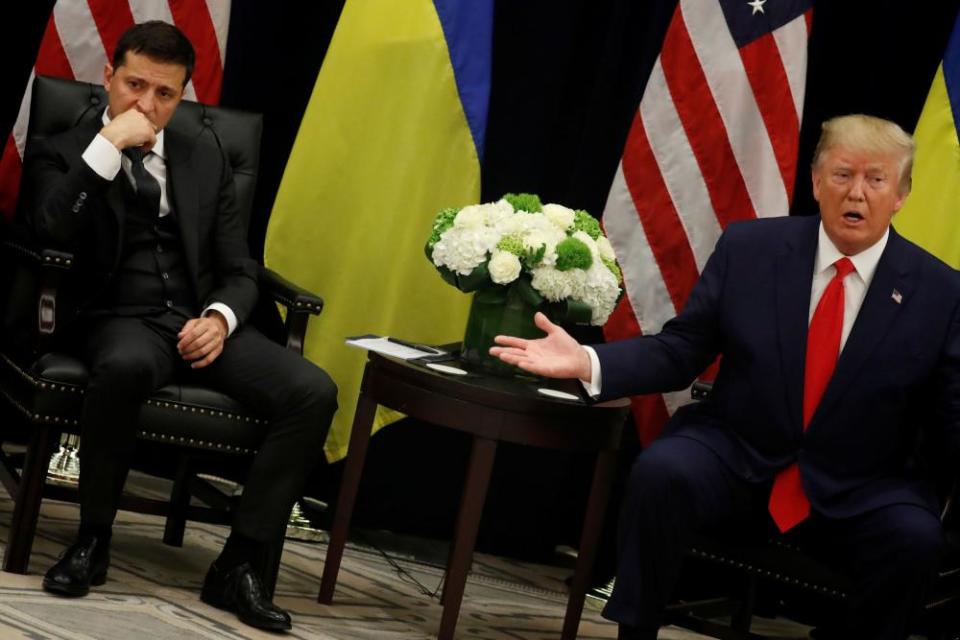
{"x": 899, "y": 371}
{"x": 69, "y": 205}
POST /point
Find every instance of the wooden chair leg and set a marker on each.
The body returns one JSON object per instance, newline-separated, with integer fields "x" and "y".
{"x": 744, "y": 614}
{"x": 23, "y": 525}
{"x": 179, "y": 501}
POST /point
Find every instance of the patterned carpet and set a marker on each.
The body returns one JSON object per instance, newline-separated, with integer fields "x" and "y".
{"x": 152, "y": 592}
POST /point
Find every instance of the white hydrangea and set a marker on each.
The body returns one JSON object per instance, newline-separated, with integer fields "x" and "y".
{"x": 559, "y": 215}
{"x": 470, "y": 217}
{"x": 557, "y": 285}
{"x": 463, "y": 249}
{"x": 599, "y": 289}
{"x": 605, "y": 248}
{"x": 494, "y": 212}
{"x": 504, "y": 267}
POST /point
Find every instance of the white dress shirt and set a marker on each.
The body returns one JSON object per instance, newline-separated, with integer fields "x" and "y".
{"x": 106, "y": 161}
{"x": 855, "y": 287}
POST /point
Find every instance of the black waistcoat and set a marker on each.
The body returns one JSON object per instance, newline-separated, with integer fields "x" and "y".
{"x": 152, "y": 275}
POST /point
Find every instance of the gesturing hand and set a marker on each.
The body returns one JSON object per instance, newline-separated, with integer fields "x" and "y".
{"x": 557, "y": 355}
{"x": 201, "y": 339}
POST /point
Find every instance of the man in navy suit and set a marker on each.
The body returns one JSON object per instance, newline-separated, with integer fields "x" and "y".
{"x": 819, "y": 432}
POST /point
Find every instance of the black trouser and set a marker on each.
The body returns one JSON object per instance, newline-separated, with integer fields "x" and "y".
{"x": 131, "y": 357}
{"x": 678, "y": 486}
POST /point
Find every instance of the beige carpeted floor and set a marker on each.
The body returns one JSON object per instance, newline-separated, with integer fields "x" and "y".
{"x": 152, "y": 592}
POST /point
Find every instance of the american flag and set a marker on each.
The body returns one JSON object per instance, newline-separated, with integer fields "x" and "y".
{"x": 79, "y": 40}
{"x": 713, "y": 141}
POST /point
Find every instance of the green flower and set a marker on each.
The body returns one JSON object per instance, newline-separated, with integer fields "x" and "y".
{"x": 614, "y": 268}
{"x": 529, "y": 202}
{"x": 573, "y": 254}
{"x": 441, "y": 223}
{"x": 530, "y": 257}
{"x": 583, "y": 221}
{"x": 512, "y": 244}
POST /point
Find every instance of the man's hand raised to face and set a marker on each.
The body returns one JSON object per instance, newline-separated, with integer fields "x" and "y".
{"x": 201, "y": 339}
{"x": 130, "y": 129}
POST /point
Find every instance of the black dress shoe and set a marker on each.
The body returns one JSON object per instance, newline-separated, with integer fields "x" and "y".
{"x": 84, "y": 563}
{"x": 241, "y": 591}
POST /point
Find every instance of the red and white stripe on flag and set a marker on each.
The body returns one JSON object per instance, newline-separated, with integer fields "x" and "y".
{"x": 80, "y": 39}
{"x": 713, "y": 141}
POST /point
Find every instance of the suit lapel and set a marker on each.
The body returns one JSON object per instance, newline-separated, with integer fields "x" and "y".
{"x": 877, "y": 314}
{"x": 114, "y": 194}
{"x": 184, "y": 194}
{"x": 794, "y": 277}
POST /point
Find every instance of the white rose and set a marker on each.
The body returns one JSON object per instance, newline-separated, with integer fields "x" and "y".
{"x": 605, "y": 248}
{"x": 559, "y": 215}
{"x": 470, "y": 217}
{"x": 504, "y": 267}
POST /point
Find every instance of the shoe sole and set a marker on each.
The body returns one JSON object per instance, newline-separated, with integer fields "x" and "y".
{"x": 73, "y": 591}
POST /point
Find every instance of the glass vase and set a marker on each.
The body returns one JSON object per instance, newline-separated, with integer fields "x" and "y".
{"x": 497, "y": 310}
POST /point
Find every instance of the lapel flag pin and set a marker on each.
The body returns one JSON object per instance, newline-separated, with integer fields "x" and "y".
{"x": 897, "y": 296}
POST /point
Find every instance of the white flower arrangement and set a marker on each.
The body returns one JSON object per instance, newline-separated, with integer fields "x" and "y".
{"x": 557, "y": 255}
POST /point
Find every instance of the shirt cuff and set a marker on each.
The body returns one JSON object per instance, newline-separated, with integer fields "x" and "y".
{"x": 102, "y": 157}
{"x": 592, "y": 387}
{"x": 226, "y": 312}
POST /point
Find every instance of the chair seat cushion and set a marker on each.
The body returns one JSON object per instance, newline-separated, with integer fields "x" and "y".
{"x": 50, "y": 389}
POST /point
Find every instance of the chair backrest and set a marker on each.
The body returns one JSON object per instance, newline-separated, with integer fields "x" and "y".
{"x": 58, "y": 105}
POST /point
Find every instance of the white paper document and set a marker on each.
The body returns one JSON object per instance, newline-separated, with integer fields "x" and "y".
{"x": 389, "y": 347}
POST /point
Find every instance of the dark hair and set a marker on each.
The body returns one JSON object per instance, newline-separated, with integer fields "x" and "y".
{"x": 159, "y": 41}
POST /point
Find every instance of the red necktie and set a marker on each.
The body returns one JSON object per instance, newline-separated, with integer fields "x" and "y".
{"x": 789, "y": 505}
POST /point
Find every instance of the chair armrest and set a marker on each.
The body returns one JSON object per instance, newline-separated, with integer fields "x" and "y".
{"x": 296, "y": 299}
{"x": 299, "y": 302}
{"x": 42, "y": 257}
{"x": 36, "y": 279}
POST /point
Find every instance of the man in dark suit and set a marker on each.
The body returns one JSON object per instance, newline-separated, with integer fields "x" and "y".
{"x": 165, "y": 286}
{"x": 839, "y": 342}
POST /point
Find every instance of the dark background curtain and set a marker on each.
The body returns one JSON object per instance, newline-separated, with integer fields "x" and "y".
{"x": 567, "y": 77}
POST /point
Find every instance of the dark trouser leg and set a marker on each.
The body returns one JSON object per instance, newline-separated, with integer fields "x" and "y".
{"x": 128, "y": 359}
{"x": 676, "y": 487}
{"x": 298, "y": 399}
{"x": 893, "y": 554}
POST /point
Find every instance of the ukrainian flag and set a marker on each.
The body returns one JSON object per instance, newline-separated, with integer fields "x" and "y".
{"x": 393, "y": 133}
{"x": 931, "y": 215}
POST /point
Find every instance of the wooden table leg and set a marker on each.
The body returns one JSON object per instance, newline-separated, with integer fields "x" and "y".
{"x": 590, "y": 536}
{"x": 357, "y": 452}
{"x": 465, "y": 537}
{"x": 26, "y": 509}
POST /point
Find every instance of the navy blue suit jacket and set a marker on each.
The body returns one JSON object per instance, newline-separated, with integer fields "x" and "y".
{"x": 899, "y": 371}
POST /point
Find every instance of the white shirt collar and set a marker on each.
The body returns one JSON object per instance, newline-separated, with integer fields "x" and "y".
{"x": 157, "y": 149}
{"x": 864, "y": 262}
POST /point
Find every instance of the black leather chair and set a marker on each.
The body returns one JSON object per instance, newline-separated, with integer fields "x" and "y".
{"x": 777, "y": 575}
{"x": 44, "y": 388}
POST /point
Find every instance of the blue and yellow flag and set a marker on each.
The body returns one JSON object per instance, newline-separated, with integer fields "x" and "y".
{"x": 931, "y": 215}
{"x": 393, "y": 133}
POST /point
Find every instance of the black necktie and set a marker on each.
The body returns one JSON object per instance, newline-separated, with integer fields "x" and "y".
{"x": 148, "y": 189}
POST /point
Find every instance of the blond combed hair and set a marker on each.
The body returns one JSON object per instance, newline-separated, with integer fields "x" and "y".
{"x": 869, "y": 134}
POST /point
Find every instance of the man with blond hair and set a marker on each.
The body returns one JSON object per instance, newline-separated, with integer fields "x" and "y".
{"x": 840, "y": 344}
